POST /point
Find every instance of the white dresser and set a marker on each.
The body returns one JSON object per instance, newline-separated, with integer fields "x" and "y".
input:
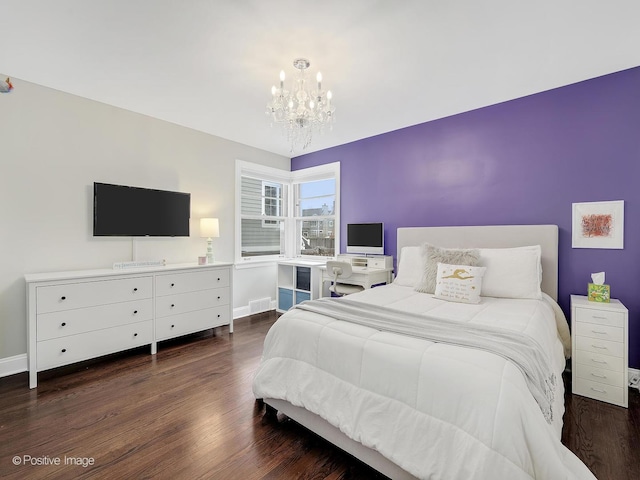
{"x": 74, "y": 316}
{"x": 599, "y": 338}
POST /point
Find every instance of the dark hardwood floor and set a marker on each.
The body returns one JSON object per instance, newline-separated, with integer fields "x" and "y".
{"x": 189, "y": 413}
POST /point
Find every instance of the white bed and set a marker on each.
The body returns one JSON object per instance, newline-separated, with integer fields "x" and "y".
{"x": 414, "y": 408}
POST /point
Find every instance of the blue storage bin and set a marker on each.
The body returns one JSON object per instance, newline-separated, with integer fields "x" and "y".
{"x": 285, "y": 299}
{"x": 302, "y": 296}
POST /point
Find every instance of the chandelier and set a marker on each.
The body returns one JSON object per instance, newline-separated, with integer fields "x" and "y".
{"x": 303, "y": 111}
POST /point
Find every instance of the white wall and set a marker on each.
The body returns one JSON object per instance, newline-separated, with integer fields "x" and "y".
{"x": 53, "y": 146}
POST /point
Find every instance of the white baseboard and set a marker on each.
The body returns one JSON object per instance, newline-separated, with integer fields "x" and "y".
{"x": 13, "y": 365}
{"x": 245, "y": 311}
{"x": 240, "y": 312}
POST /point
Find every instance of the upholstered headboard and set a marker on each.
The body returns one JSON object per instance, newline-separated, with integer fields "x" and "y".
{"x": 494, "y": 236}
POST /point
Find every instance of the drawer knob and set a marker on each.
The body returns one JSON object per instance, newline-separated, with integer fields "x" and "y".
{"x": 218, "y": 315}
{"x": 135, "y": 334}
{"x": 218, "y": 297}
{"x": 64, "y": 350}
{"x": 63, "y": 324}
{"x": 135, "y": 312}
{"x": 218, "y": 278}
{"x": 173, "y": 305}
{"x": 135, "y": 289}
{"x": 173, "y": 284}
{"x": 63, "y": 298}
{"x": 172, "y": 326}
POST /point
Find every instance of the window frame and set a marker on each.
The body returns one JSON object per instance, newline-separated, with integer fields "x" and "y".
{"x": 288, "y": 180}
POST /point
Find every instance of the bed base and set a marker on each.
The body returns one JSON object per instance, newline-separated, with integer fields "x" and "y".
{"x": 330, "y": 433}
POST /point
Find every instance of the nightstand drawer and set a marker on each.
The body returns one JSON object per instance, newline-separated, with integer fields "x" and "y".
{"x": 601, "y": 317}
{"x": 605, "y": 347}
{"x": 598, "y": 391}
{"x": 602, "y": 332}
{"x": 598, "y": 360}
{"x": 600, "y": 375}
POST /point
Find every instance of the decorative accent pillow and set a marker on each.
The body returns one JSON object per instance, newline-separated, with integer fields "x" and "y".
{"x": 459, "y": 283}
{"x": 409, "y": 267}
{"x": 431, "y": 255}
{"x": 512, "y": 272}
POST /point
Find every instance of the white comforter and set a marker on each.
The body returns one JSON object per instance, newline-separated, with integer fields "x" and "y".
{"x": 436, "y": 410}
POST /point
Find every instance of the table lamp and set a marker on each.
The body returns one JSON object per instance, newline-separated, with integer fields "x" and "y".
{"x": 209, "y": 228}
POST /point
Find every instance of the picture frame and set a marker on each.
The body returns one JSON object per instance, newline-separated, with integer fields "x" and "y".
{"x": 598, "y": 225}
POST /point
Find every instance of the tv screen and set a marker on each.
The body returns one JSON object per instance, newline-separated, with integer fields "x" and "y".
{"x": 365, "y": 238}
{"x": 119, "y": 210}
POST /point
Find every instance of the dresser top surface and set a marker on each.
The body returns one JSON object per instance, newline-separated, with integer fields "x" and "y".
{"x": 109, "y": 272}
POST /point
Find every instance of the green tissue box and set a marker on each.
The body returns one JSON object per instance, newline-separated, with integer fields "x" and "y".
{"x": 599, "y": 293}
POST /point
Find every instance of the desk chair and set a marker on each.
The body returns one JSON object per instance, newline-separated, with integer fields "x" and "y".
{"x": 341, "y": 271}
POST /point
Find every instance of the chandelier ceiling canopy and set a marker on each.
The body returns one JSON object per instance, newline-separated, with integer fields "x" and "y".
{"x": 302, "y": 111}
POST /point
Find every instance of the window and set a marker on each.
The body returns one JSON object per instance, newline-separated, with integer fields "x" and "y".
{"x": 286, "y": 214}
{"x": 261, "y": 220}
{"x": 315, "y": 213}
{"x": 271, "y": 203}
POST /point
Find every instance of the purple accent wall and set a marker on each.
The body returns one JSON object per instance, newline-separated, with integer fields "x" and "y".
{"x": 520, "y": 162}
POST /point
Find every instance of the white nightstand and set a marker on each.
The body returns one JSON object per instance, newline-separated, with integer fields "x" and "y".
{"x": 599, "y": 345}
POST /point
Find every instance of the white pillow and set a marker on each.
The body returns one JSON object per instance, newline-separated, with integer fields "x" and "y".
{"x": 409, "y": 267}
{"x": 459, "y": 283}
{"x": 512, "y": 272}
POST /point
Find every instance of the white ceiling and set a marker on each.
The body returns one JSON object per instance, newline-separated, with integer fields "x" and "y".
{"x": 209, "y": 65}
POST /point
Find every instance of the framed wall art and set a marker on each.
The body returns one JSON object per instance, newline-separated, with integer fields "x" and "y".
{"x": 598, "y": 225}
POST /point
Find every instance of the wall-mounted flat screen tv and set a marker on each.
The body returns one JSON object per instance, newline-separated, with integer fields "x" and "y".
{"x": 365, "y": 238}
{"x": 119, "y": 210}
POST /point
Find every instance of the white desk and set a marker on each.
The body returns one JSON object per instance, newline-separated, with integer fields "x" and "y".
{"x": 363, "y": 276}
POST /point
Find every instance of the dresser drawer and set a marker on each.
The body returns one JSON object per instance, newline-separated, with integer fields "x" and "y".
{"x": 603, "y": 332}
{"x": 600, "y": 375}
{"x": 598, "y": 360}
{"x": 598, "y": 391}
{"x": 173, "y": 283}
{"x": 595, "y": 345}
{"x": 600, "y": 317}
{"x": 176, "y": 325}
{"x": 75, "y": 348}
{"x": 192, "y": 301}
{"x": 80, "y": 320}
{"x": 55, "y": 298}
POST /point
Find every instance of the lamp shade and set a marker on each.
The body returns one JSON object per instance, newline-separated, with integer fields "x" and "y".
{"x": 209, "y": 227}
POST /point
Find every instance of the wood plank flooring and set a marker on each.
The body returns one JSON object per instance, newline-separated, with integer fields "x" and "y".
{"x": 189, "y": 413}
